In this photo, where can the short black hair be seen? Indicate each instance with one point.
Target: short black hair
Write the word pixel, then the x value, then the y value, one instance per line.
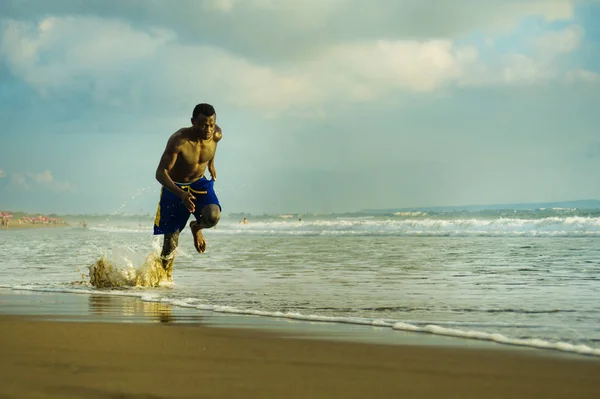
pixel 204 109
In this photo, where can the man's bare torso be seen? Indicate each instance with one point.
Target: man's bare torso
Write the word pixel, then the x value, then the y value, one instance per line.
pixel 193 156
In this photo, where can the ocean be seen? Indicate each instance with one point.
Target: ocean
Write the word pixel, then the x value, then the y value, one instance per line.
pixel 516 277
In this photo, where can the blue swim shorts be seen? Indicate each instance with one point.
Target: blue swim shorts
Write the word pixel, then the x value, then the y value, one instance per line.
pixel 172 215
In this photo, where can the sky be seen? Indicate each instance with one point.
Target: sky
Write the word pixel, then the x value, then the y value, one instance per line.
pixel 325 105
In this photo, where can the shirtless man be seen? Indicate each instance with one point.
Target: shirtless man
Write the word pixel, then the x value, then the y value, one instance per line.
pixel 185 190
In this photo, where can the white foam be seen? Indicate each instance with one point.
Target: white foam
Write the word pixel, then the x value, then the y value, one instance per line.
pixel 431 329
pixel 499 338
pixel 121 229
pixel 555 226
pixel 401 224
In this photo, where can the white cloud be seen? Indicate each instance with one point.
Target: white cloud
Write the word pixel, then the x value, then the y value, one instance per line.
pixel 512 70
pixel 355 72
pixel 542 66
pixel 65 52
pixel 45 179
pixel 2 174
pixel 388 65
pixel 582 75
pixel 194 69
pixel 117 63
pixel 266 30
pixel 219 5
pixel 559 42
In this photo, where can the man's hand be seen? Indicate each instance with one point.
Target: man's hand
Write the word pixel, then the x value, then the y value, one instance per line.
pixel 188 201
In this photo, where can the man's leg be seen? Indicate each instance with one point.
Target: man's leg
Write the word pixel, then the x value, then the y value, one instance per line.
pixel 209 217
pixel 168 252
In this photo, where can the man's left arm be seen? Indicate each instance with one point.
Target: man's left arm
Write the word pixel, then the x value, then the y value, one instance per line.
pixel 211 168
pixel 211 164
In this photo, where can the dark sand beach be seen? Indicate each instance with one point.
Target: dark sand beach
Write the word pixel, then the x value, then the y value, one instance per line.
pixel 79 356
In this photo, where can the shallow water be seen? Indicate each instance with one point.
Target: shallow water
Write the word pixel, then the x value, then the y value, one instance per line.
pixel 528 280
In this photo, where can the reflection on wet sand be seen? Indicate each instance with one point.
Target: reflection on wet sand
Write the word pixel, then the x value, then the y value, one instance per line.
pixel 134 309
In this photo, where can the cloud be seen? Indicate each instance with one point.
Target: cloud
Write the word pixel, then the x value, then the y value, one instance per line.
pixel 545 63
pixel 45 179
pixel 2 174
pixel 121 60
pixel 581 75
pixel 561 41
pixel 67 52
pixel 353 72
pixel 364 69
pixel 262 30
pixel 219 5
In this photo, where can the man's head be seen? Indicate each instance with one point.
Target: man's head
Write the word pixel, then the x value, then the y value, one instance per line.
pixel 203 119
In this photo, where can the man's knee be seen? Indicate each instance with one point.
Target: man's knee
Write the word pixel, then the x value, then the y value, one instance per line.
pixel 211 215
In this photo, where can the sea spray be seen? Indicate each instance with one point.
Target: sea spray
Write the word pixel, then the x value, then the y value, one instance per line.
pixel 124 268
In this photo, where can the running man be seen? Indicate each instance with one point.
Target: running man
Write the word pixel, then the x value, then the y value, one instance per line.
pixel 185 189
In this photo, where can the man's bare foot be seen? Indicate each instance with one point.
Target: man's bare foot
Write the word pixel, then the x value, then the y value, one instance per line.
pixel 199 241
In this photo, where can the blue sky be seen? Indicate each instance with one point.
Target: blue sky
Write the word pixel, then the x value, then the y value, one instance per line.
pixel 326 106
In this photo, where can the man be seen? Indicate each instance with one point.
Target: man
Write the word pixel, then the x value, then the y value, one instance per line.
pixel 185 189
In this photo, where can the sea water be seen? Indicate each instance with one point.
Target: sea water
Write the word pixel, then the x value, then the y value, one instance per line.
pixel 527 278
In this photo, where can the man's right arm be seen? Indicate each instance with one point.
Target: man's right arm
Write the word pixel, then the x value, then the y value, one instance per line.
pixel 167 161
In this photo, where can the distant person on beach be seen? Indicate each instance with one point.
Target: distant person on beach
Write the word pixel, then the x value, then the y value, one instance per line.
pixel 186 190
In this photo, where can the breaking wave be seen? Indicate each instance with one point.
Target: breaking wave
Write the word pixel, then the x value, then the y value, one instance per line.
pixel 575 226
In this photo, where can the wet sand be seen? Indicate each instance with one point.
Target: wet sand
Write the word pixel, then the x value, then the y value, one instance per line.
pixel 80 357
pixel 17 226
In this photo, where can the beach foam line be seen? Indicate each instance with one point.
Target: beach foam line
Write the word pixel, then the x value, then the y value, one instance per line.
pixel 554 226
pixel 395 325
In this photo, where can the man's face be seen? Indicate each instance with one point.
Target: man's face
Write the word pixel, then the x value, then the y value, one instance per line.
pixel 205 125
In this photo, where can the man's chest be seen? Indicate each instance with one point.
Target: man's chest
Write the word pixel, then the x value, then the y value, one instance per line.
pixel 198 153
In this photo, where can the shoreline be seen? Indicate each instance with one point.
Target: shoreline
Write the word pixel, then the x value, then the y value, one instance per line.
pixel 26 226
pixel 100 346
pixel 101 306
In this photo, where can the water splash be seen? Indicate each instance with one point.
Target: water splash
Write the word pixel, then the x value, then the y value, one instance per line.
pixel 135 195
pixel 125 268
